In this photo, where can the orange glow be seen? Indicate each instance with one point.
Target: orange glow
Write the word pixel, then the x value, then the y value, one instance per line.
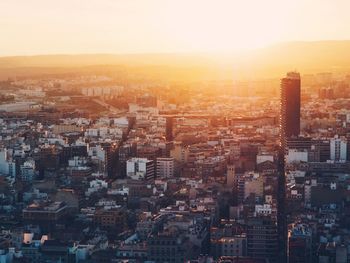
pixel 133 26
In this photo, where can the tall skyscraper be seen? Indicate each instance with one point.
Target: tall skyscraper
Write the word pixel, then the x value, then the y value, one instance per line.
pixel 290 106
pixel 289 127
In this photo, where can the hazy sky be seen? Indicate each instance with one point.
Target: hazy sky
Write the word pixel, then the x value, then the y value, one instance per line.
pixel 136 26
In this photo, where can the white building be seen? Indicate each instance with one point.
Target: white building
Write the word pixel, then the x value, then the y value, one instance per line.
pixel 99 156
pixel 264 209
pixel 140 169
pixel 102 91
pixel 95 186
pixel 295 156
pixel 28 171
pixel 7 166
pixel 338 149
pixel 165 167
pixel 97 152
pixel 18 106
pixel 91 132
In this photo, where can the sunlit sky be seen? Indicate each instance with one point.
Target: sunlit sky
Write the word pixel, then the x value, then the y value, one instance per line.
pixel 142 26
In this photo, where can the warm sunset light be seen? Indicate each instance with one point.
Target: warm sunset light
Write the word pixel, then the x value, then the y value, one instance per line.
pixel 132 26
pixel 174 131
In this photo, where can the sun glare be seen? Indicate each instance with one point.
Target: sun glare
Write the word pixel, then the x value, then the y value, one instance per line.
pixel 227 26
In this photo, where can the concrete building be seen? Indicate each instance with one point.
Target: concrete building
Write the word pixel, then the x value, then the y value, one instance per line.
pixel 66 128
pixel 7 167
pixel 140 169
pixel 262 238
pixel 230 176
pixel 250 184
pixel 226 241
pixel 27 171
pixel 295 155
pixel 263 157
pixel 169 246
pixel 165 167
pixel 49 212
pixel 300 244
pixel 338 149
pixel 180 153
pixel 114 218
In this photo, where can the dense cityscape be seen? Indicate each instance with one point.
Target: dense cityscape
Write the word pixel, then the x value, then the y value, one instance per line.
pixel 93 170
pixel 174 131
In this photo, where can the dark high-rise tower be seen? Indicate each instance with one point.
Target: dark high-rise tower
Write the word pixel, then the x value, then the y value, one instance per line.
pixel 290 106
pixel 290 127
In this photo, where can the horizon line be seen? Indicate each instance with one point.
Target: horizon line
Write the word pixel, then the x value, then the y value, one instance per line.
pixel 183 52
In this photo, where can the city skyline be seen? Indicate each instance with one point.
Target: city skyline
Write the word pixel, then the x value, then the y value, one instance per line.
pixel 189 131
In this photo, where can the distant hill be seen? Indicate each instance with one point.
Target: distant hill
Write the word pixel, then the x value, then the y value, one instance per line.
pixel 269 62
pixel 97 59
pixel 307 57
